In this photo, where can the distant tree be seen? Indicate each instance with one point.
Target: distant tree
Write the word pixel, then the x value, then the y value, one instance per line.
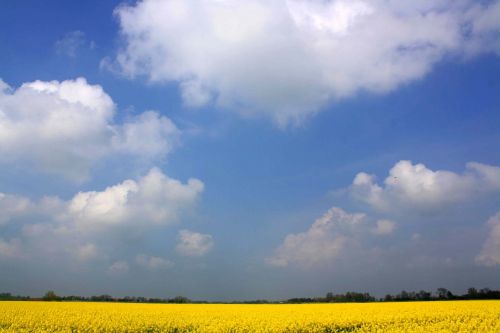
pixel 484 292
pixel 102 298
pixel 50 296
pixel 423 295
pixel 6 296
pixel 179 299
pixel 472 293
pixel 300 300
pixel 444 293
pixel 403 296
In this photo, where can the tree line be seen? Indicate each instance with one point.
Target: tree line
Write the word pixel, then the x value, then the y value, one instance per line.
pixel 52 296
pixel 351 296
pixel 403 296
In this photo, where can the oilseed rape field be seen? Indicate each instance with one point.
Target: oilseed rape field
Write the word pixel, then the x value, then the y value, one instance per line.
pixel 450 316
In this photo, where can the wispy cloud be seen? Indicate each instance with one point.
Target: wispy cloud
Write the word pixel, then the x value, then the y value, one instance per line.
pixel 71 43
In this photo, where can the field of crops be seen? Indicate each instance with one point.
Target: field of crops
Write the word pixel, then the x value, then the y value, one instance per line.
pixel 453 316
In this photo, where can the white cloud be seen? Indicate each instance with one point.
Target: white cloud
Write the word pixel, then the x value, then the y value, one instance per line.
pixel 323 242
pixel 194 95
pixel 146 135
pixel 418 188
pixel 84 226
pixel 490 253
pixel 153 199
pixel 153 263
pixel 4 87
pixel 66 127
pixel 12 206
pixel 384 227
pixel 118 268
pixel 285 59
pixel 71 43
pixel 193 244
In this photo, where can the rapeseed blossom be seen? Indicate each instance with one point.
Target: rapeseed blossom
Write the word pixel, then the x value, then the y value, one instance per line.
pixel 451 316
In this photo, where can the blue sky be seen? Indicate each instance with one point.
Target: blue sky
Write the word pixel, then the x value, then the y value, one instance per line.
pixel 244 150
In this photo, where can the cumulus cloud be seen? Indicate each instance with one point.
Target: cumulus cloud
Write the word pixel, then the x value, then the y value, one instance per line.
pixel 417 188
pixel 323 242
pixel 153 263
pixel 153 199
pixel 490 253
pixel 66 127
pixel 85 225
pixel 285 59
pixel 194 244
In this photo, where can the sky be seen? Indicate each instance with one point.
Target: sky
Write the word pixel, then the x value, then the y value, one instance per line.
pixel 240 150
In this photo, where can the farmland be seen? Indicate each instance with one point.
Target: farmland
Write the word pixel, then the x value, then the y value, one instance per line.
pixel 448 316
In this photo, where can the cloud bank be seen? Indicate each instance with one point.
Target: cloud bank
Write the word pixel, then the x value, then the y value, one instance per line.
pixel 90 223
pixel 286 59
pixel 408 193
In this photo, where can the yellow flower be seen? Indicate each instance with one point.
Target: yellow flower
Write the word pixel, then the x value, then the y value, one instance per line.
pixel 452 316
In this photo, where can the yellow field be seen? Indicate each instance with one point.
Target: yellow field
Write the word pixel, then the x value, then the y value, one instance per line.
pixel 457 316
